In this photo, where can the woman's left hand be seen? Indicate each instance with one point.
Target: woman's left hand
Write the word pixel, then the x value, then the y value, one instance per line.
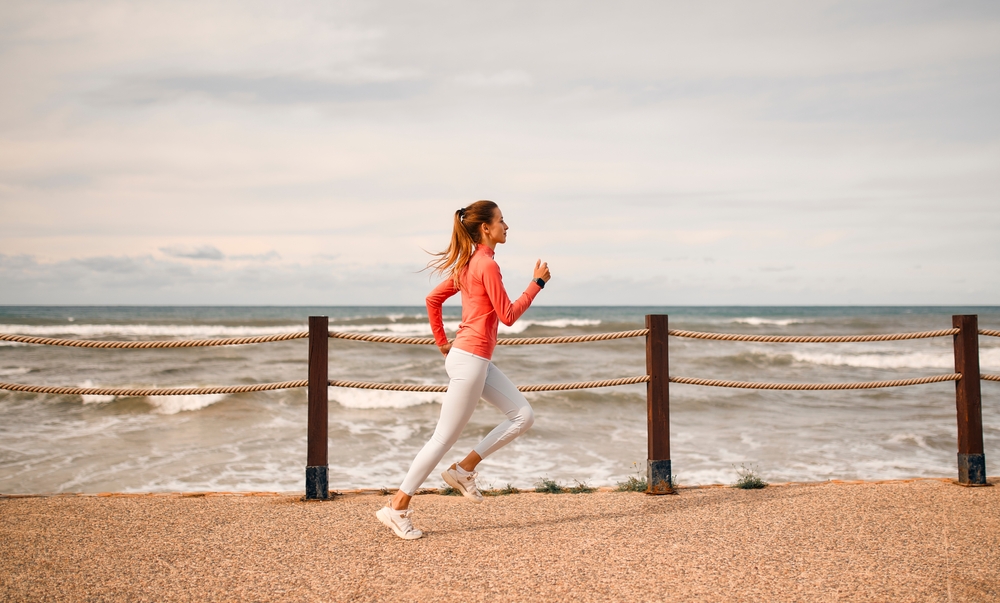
pixel 445 348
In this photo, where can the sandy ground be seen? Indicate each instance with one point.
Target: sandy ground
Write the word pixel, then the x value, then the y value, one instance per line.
pixel 922 540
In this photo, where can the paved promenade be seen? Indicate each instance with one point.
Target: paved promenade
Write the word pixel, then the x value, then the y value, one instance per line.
pixel 922 540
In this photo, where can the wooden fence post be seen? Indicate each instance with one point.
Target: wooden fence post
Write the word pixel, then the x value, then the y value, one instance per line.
pixel 317 469
pixel 971 460
pixel 658 474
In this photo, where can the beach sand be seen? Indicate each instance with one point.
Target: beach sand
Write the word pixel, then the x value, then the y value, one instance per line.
pixel 918 540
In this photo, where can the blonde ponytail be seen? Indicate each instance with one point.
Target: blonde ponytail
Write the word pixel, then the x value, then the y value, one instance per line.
pixel 465 234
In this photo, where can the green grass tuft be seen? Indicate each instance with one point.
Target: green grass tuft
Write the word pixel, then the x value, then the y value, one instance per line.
pixel 506 490
pixel 548 486
pixel 384 491
pixel 749 480
pixel 634 483
pixel 581 488
pixel 449 491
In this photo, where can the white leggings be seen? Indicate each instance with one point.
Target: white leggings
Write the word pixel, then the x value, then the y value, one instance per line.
pixel 472 378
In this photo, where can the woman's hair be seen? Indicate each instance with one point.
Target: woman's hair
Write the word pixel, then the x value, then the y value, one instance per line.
pixel 465 235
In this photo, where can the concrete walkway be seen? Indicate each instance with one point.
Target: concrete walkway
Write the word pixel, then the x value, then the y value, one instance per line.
pixel 921 540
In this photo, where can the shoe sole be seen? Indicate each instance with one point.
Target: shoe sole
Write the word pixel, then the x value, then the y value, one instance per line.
pixel 387 521
pixel 454 483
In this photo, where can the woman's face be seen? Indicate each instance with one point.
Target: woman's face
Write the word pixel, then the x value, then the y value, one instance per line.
pixel 496 230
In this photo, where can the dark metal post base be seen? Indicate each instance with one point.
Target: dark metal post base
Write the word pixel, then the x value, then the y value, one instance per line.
pixel 971 468
pixel 658 478
pixel 317 483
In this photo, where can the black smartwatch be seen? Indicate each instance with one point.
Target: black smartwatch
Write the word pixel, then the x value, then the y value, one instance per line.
pixel 540 282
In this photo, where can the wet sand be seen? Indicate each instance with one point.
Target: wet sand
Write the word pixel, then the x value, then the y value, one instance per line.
pixel 919 540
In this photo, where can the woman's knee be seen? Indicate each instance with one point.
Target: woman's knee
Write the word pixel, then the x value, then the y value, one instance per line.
pixel 525 418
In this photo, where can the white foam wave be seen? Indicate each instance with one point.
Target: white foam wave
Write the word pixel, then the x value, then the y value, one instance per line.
pixel 416 329
pixel 171 405
pixel 12 371
pixel 87 399
pixel 557 323
pixel 367 398
pixel 162 405
pixel 940 360
pixel 756 322
pixel 423 329
pixel 142 330
pixel 87 331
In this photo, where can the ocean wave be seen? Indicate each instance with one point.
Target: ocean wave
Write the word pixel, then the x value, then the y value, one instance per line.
pixel 555 323
pixel 162 405
pixel 138 331
pixel 756 322
pixel 12 371
pixel 171 405
pixel 367 398
pixel 941 360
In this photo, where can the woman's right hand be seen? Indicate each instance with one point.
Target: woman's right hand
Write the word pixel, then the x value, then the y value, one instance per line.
pixel 445 348
pixel 542 271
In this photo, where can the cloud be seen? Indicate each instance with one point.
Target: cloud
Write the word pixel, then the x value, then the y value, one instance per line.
pixel 853 140
pixel 271 89
pixel 270 256
pixel 145 279
pixel 205 252
pixel 502 79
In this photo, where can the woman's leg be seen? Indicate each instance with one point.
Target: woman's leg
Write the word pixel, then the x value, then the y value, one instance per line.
pixel 468 374
pixel 500 392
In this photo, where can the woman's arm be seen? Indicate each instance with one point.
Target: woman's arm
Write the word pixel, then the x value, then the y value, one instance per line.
pixel 506 311
pixel 435 300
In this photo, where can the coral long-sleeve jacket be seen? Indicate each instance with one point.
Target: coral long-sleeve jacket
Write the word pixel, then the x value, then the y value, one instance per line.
pixel 484 305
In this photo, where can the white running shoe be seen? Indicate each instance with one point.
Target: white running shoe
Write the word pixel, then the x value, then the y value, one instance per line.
pixel 399 522
pixel 466 484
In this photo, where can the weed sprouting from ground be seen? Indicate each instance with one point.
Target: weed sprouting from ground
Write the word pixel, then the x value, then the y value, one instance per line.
pixel 449 491
pixel 581 488
pixel 508 489
pixel 548 486
pixel 634 483
pixel 749 480
pixel 384 491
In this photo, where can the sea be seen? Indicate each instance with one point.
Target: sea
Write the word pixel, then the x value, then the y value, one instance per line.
pixel 257 441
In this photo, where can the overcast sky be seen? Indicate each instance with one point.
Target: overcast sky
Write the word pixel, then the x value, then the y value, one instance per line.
pixel 653 152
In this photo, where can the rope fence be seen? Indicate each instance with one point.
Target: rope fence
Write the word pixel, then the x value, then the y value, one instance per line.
pixel 194 343
pixel 416 387
pixel 411 387
pixel 971 461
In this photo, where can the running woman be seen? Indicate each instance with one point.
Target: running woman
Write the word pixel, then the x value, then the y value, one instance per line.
pixel 468 263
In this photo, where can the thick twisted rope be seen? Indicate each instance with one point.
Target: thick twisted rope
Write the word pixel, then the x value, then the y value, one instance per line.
pixel 989 332
pixel 810 338
pixel 672 332
pixel 545 387
pixel 192 343
pixel 816 386
pixel 501 341
pixel 84 343
pixel 987 377
pixel 153 391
